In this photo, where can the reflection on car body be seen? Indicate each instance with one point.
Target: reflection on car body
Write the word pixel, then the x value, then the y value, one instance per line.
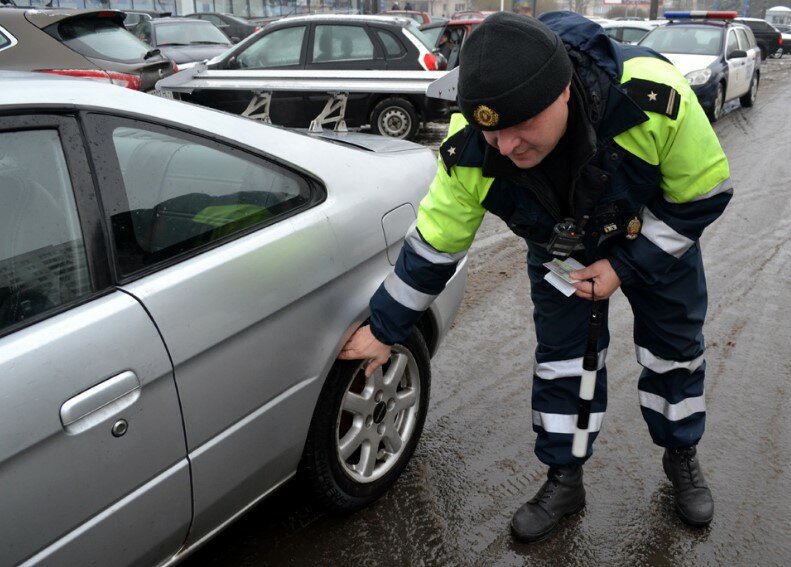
pixel 175 285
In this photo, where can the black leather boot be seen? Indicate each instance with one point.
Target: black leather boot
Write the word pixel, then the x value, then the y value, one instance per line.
pixel 561 495
pixel 694 503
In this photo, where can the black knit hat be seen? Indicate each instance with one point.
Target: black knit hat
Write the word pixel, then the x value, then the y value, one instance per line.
pixel 511 68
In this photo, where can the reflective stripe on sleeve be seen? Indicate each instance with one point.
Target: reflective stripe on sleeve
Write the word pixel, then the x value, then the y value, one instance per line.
pixel 672 412
pixel 565 423
pixel 428 252
pixel 407 295
pixel 660 234
pixel 724 187
pixel 564 368
pixel 661 366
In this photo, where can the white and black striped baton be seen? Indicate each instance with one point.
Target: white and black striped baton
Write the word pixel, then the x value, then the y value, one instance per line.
pixel 590 363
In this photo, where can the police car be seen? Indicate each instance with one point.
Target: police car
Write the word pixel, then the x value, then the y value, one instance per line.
pixel 719 57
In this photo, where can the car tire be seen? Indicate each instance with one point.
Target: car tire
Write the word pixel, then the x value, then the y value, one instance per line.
pixel 749 98
pixel 763 52
pixel 715 111
pixel 364 431
pixel 778 54
pixel 395 117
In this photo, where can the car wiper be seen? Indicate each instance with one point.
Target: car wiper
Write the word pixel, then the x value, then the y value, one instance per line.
pixel 151 53
pixel 208 43
pixel 169 44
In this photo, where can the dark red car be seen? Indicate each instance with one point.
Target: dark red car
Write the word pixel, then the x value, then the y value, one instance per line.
pixel 455 32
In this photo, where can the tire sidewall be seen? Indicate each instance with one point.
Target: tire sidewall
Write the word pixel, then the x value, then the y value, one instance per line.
pixel 320 465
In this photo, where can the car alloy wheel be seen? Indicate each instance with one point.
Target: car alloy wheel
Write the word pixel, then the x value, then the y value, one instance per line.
pixel 364 430
pixel 395 117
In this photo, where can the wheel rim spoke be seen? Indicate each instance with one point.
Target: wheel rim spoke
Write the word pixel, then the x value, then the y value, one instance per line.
pixel 396 370
pixel 393 441
pixel 405 399
pixel 356 404
pixel 351 441
pixel 367 459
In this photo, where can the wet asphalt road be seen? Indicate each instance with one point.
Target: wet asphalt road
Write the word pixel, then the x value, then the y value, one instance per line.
pixel 474 465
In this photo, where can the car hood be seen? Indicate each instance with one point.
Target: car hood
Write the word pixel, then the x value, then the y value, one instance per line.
pixel 188 53
pixel 687 63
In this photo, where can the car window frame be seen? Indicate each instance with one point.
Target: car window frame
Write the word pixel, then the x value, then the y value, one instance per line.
pixel 12 41
pixel 86 200
pixel 98 126
pixel 372 37
pixel 235 52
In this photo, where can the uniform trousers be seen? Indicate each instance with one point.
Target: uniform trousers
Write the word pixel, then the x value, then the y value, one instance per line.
pixel 668 337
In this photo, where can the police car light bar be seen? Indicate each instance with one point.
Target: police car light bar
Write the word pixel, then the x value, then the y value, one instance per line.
pixel 705 14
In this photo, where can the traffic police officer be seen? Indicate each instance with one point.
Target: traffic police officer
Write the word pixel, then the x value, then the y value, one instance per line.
pixel 591 149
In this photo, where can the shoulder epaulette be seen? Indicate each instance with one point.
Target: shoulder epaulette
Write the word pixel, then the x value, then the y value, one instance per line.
pixel 451 149
pixel 654 97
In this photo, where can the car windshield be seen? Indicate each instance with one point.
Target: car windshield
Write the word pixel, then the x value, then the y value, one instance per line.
pixel 414 29
pixel 104 38
pixel 189 33
pixel 685 39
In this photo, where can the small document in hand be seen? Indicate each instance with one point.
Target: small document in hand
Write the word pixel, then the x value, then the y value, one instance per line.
pixel 558 274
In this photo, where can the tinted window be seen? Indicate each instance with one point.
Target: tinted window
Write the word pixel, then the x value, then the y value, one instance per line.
pixel 42 257
pixel 733 43
pixel 393 47
pixel 189 33
pixel 685 39
pixel 182 194
pixel 5 41
pixel 744 40
pixel 414 29
pixel 633 35
pixel 275 49
pixel 341 43
pixel 432 34
pixel 102 38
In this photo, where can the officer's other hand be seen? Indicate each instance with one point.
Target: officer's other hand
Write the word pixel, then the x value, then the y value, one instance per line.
pixel 605 280
pixel 362 345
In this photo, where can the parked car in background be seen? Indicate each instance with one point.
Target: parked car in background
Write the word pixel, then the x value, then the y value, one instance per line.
pixel 719 57
pixel 455 32
pixel 769 39
pixel 627 31
pixel 184 41
pixel 175 286
pixel 91 44
pixel 785 33
pixel 234 27
pixel 133 17
pixel 334 42
pixel 420 17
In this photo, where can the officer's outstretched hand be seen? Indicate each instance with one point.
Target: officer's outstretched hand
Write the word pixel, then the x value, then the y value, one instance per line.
pixel 362 345
pixel 605 280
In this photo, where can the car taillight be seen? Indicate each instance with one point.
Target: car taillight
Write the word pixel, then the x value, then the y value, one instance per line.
pixel 257 28
pixel 174 66
pixel 120 79
pixel 430 62
pixel 781 40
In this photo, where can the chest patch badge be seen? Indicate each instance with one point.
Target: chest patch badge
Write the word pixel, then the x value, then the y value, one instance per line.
pixel 633 228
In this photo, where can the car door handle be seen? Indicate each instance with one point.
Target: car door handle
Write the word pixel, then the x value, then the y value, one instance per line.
pixel 96 404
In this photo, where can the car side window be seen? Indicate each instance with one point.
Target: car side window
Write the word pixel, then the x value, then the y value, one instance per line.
pixel 633 35
pixel 42 254
pixel 181 193
pixel 744 41
pixel 393 48
pixel 276 49
pixel 733 43
pixel 5 41
pixel 341 43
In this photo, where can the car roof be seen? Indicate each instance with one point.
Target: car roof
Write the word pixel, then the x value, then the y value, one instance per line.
pixel 643 25
pixel 158 21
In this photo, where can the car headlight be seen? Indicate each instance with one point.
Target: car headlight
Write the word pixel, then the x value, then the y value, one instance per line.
pixel 699 77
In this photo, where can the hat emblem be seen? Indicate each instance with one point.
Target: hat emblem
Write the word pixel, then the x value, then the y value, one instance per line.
pixel 486 116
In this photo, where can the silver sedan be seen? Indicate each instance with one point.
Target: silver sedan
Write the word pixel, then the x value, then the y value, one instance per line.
pixel 175 285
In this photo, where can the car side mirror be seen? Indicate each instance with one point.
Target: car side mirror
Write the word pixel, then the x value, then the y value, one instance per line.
pixel 235 39
pixel 232 63
pixel 737 53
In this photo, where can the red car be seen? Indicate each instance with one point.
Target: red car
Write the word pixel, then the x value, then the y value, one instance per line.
pixel 455 31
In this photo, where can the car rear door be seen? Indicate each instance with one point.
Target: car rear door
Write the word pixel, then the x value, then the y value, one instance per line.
pixel 93 462
pixel 747 44
pixel 233 260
